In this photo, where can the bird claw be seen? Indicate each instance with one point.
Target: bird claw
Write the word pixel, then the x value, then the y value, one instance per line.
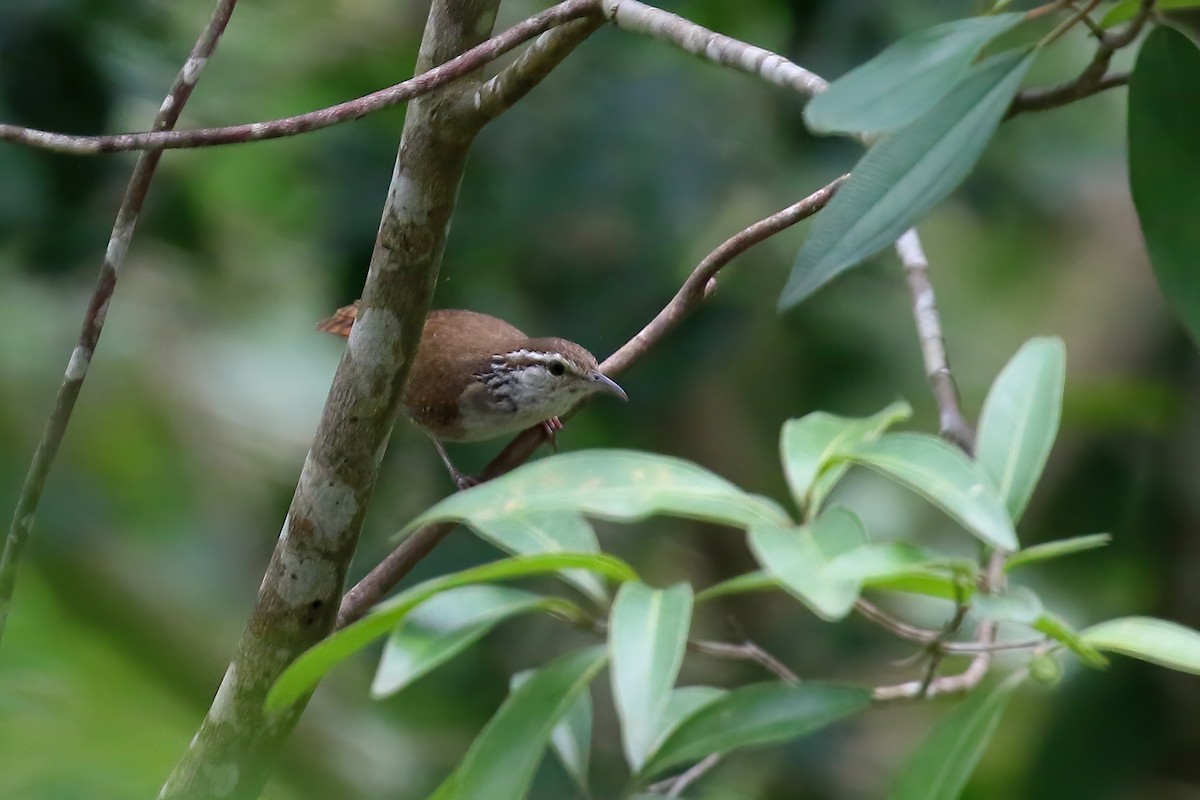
pixel 552 426
pixel 464 482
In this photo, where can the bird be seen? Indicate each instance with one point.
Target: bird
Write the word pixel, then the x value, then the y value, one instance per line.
pixel 477 377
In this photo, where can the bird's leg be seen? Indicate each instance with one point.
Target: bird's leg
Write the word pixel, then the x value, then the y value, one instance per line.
pixel 462 481
pixel 552 426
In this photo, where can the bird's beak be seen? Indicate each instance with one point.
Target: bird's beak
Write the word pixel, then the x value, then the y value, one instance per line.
pixel 608 385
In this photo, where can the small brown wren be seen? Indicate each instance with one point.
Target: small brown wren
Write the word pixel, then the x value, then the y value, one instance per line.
pixel 476 377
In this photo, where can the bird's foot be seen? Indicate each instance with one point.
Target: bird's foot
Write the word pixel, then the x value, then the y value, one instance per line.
pixel 463 481
pixel 552 426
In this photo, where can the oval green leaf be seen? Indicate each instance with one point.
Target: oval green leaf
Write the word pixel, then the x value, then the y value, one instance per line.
pixel 905 80
pixel 905 174
pixel 755 715
pixel 503 758
pixel 534 533
pixel 1020 420
pixel 808 445
pixel 571 739
pixel 307 670
pixel 946 477
pixel 449 623
pixel 647 635
pixel 617 485
pixel 1155 640
pixel 798 557
pixel 944 761
pixel 1164 117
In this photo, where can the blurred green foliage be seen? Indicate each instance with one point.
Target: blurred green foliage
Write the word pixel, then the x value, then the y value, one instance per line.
pixel 581 212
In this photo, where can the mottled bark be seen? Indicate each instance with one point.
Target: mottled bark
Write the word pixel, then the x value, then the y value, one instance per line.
pixel 232 753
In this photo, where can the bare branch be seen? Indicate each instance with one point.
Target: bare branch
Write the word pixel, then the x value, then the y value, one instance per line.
pixel 385 575
pixel 638 17
pixel 93 322
pixel 434 77
pixel 677 785
pixel 532 66
pixel 298 600
pixel 952 423
pixel 746 651
pixel 1095 77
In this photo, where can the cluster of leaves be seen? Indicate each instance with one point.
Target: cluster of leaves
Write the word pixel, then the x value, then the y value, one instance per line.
pixel 930 105
pixel 540 513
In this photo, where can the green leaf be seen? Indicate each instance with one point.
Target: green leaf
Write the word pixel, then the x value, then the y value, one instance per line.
pixel 944 476
pixel 683 703
pixel 647 635
pixel 1127 10
pixel 905 80
pixel 1155 640
pixel 1020 420
pixel 449 623
pixel 1164 116
pixel 754 715
pixel 502 760
pixel 798 558
pixel 1015 604
pixel 954 588
pixel 882 561
pixel 303 674
pixel 535 533
pixel 571 738
pixel 1058 629
pixel 1056 549
pixel 944 761
pixel 808 445
pixel 617 485
pixel 739 584
pixel 905 174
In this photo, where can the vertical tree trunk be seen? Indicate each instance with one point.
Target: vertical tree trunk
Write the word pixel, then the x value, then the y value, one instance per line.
pixel 231 754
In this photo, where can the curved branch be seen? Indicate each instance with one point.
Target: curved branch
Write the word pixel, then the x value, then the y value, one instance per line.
pixel 93 322
pixel 422 84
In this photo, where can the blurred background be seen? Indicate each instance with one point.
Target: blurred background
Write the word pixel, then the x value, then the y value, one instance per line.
pixel 581 212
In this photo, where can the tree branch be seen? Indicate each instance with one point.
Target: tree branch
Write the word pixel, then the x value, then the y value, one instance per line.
pixel 93 322
pixel 951 422
pixel 532 66
pixel 699 284
pixel 1093 79
pixel 231 754
pixel 638 17
pixel 433 77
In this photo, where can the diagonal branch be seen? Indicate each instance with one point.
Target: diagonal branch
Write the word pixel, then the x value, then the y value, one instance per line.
pixel 93 321
pixel 433 77
pixel 532 66
pixel 385 575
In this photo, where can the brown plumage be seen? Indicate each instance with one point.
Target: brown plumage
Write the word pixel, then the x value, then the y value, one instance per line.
pixel 477 377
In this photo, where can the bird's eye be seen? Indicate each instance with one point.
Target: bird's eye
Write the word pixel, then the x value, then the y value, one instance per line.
pixel 557 368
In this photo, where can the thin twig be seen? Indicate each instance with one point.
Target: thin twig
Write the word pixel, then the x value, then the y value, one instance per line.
pixel 93 321
pixel 745 651
pixel 951 422
pixel 422 84
pixel 1094 78
pixel 640 18
pixel 532 66
pixel 675 786
pixel 699 284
